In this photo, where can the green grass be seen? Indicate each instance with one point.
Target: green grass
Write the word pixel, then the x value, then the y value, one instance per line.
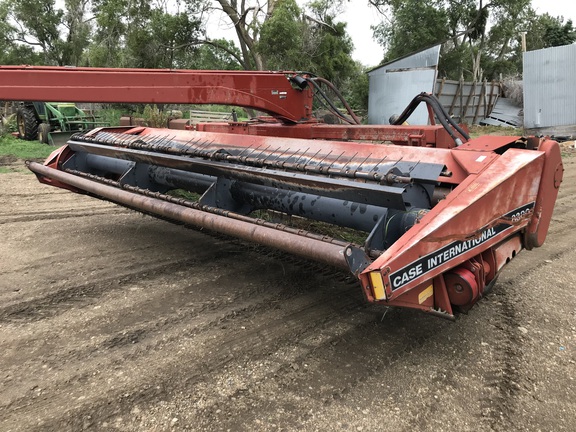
pixel 11 146
pixel 182 193
pixel 477 131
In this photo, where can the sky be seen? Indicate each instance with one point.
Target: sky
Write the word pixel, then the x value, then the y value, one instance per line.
pixel 360 17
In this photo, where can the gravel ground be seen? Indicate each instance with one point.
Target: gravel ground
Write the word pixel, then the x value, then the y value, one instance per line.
pixel 112 321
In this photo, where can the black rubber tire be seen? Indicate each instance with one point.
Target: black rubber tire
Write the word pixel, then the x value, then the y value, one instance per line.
pixel 43 133
pixel 27 124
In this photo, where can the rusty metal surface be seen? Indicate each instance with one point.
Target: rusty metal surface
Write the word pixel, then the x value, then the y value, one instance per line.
pixel 369 161
pixel 270 92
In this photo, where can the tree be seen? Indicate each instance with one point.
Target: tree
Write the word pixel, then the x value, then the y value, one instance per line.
pixel 60 35
pixel 411 25
pixel 330 45
pixel 218 54
pixel 282 38
pixel 356 92
pixel 558 34
pixel 10 52
pixel 281 35
pixel 247 20
pixel 140 33
pixel 476 35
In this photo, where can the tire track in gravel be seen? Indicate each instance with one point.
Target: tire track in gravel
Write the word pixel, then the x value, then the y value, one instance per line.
pixel 296 317
pixel 303 380
pixel 499 410
pixel 7 219
pixel 201 382
pixel 279 342
pixel 114 344
pixel 139 328
pixel 235 315
pixel 50 300
pixel 80 296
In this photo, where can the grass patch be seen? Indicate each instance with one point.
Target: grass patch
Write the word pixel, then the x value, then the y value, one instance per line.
pixel 478 131
pixel 183 193
pixel 14 169
pixel 322 228
pixel 11 146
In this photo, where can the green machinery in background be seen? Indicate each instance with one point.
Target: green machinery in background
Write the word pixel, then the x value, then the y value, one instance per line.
pixel 52 122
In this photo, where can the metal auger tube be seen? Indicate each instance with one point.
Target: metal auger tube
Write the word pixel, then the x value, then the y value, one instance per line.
pixel 305 247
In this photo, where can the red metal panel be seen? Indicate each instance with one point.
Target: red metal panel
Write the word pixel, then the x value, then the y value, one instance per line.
pixel 551 178
pixel 432 136
pixel 270 92
pixel 341 150
pixel 473 207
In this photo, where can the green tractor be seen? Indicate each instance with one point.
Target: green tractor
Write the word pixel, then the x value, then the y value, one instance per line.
pixel 52 122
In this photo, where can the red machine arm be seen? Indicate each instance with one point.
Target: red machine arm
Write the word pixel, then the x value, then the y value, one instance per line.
pixel 272 92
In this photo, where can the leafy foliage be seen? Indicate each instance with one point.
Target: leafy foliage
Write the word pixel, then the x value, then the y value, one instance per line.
pixel 479 38
pixel 356 92
pixel 144 34
pixel 42 32
pixel 293 40
pixel 415 24
pixel 218 54
pixel 282 38
pixel 556 33
pixel 154 117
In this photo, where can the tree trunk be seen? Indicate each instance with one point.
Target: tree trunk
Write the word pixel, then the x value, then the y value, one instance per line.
pixel 247 39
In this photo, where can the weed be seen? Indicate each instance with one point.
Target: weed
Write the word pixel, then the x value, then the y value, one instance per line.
pixel 154 117
pixel 183 193
pixel 477 131
pixel 11 146
pixel 110 116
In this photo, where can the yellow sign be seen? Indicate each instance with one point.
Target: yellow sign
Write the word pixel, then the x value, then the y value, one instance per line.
pixel 426 294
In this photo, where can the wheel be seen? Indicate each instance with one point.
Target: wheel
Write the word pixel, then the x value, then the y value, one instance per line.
pixel 43 133
pixel 27 124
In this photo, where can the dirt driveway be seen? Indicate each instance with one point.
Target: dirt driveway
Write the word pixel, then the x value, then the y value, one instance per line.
pixel 113 321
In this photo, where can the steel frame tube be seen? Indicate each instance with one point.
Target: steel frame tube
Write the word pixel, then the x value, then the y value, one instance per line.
pixel 305 247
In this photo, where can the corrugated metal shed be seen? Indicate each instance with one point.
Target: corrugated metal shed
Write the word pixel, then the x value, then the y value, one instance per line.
pixel 506 113
pixel 550 87
pixel 395 84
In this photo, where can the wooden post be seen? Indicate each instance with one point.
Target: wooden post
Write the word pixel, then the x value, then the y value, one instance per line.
pixel 523 36
pixel 458 92
pixel 481 101
pixel 491 101
pixel 468 100
pixel 439 92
